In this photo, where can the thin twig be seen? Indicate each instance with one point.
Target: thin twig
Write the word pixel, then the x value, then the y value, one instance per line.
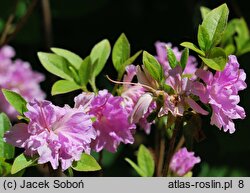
pixel 47 21
pixel 180 144
pixel 8 24
pixel 170 152
pixel 157 149
pixel 21 23
pixel 161 153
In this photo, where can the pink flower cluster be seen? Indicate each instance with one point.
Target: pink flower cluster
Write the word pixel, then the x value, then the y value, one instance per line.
pixel 111 124
pixel 17 75
pixel 56 134
pixel 60 135
pixel 183 161
pixel 221 92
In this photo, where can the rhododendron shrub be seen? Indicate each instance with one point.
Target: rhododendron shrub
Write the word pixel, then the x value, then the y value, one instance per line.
pixel 167 94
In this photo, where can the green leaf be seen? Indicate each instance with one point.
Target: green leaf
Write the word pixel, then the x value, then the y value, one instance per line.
pixel 153 66
pixel 171 58
pixel 136 168
pixel 193 47
pixel 85 71
pixel 73 58
pixel 229 32
pixel 203 38
pixel 204 11
pixel 4 168
pixel 86 164
pixel 146 161
pixel 16 100
pixel 128 62
pixel 242 31
pixel 242 39
pixel 121 52
pixel 99 56
pixel 217 59
pixel 215 23
pixel 184 58
pixel 230 49
pixel 64 86
pixel 245 48
pixel 21 9
pixel 56 65
pixel 7 151
pixel 21 162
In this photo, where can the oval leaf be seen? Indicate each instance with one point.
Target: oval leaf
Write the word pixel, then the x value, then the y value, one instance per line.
pixel 16 100
pixel 121 52
pixel 5 167
pixel 73 58
pixel 128 62
pixel 146 161
pixel 136 168
pixel 63 86
pixel 171 58
pixel 184 58
pixel 21 162
pixel 86 164
pixel 56 65
pixel 215 23
pixel 217 59
pixel 85 71
pixel 193 47
pixel 7 151
pixel 99 56
pixel 204 11
pixel 153 66
pixel 203 38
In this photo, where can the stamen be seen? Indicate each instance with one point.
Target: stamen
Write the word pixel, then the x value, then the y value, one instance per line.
pixel 136 84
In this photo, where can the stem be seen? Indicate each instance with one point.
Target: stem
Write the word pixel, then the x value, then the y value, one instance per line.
pixel 93 85
pixel 161 152
pixel 7 26
pixel 116 86
pixel 47 23
pixel 169 155
pixel 21 23
pixel 114 89
pixel 180 144
pixel 157 148
pixel 160 142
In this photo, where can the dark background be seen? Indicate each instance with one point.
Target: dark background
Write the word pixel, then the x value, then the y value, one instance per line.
pixel 79 24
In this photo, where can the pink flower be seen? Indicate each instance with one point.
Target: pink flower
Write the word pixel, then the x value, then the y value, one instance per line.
pixel 56 134
pixel 221 92
pixel 132 95
pixel 183 161
pixel 6 52
pixel 18 76
pixel 111 124
pixel 161 51
pixel 178 102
